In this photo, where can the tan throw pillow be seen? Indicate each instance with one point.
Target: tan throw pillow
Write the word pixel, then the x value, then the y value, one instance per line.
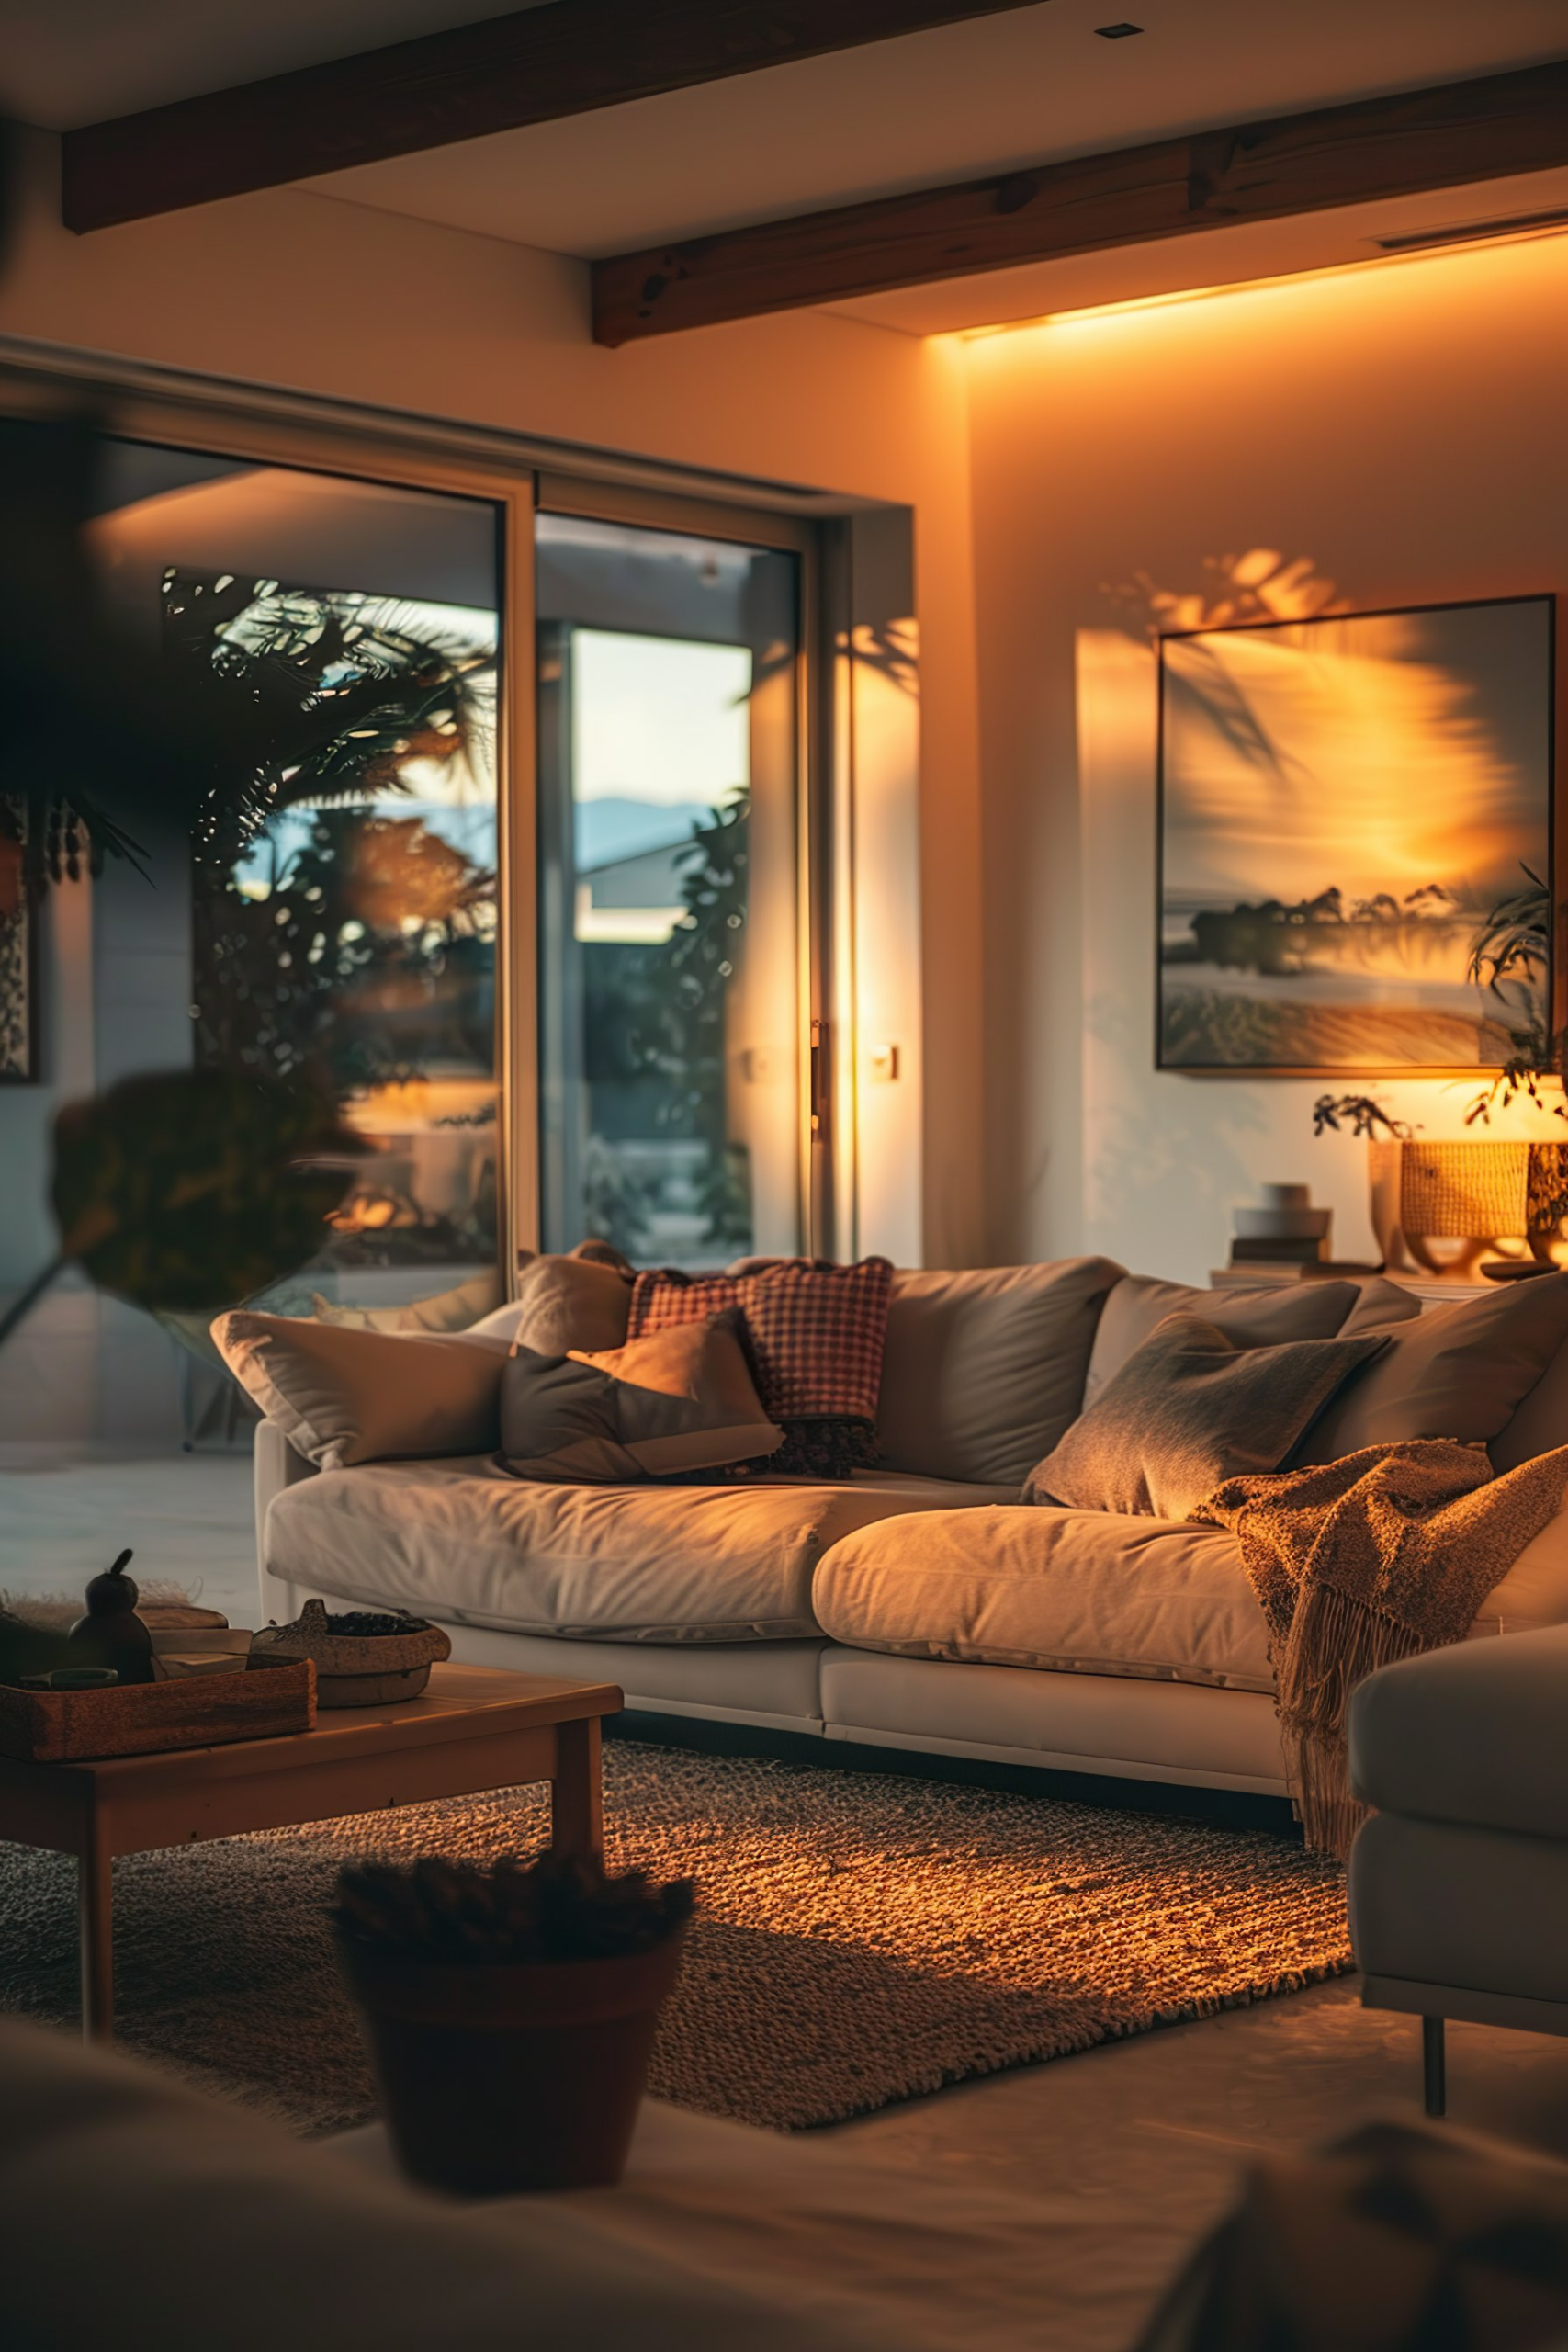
pixel 346 1396
pixel 678 1401
pixel 1459 1373
pixel 561 1304
pixel 448 1310
pixel 984 1370
pixel 1188 1410
pixel 1253 1319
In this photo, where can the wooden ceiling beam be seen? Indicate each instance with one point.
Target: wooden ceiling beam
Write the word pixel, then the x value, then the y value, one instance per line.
pixel 533 65
pixel 1487 129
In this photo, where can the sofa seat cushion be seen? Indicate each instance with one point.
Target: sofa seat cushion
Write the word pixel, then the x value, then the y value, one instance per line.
pixel 1083 1590
pixel 1089 1593
pixel 463 1541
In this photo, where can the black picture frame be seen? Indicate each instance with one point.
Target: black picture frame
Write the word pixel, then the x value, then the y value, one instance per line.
pixel 1328 1065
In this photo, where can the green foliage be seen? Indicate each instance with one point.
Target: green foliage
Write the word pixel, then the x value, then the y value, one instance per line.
pixel 1516 938
pixel 618 1201
pixel 371 953
pixel 654 1035
pixel 1362 1114
pixel 189 1189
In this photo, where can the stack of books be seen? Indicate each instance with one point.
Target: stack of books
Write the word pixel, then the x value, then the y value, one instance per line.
pixel 1285 1240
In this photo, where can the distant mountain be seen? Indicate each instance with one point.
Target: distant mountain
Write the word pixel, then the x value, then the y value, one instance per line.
pixel 608 830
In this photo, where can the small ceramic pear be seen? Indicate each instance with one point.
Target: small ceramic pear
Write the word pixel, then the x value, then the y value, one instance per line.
pixel 111 1633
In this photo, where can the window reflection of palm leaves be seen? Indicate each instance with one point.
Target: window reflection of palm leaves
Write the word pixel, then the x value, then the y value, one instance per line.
pixel 315 697
pixel 375 924
pixel 371 953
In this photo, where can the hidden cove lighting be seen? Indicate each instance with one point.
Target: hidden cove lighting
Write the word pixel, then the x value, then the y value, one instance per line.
pixel 1423 244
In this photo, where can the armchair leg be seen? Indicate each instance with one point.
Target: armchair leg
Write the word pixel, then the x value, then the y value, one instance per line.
pixel 1433 2077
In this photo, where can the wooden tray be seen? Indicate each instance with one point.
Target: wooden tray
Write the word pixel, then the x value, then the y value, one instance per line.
pixel 260 1701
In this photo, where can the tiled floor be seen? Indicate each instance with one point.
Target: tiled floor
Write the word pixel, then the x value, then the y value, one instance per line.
pixel 186 1516
pixel 1125 2153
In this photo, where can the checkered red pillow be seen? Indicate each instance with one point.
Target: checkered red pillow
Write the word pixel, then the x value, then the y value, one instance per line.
pixel 816 1334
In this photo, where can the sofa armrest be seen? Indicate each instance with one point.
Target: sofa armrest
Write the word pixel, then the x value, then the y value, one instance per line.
pixel 1471 1734
pixel 277 1466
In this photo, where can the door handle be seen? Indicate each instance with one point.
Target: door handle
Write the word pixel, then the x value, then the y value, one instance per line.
pixel 820 1078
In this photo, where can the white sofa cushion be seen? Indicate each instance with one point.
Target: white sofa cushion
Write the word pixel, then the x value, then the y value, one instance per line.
pixel 985 1370
pixel 465 1542
pixel 1090 1592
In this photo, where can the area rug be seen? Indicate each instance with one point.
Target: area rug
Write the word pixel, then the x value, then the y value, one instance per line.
pixel 860 1940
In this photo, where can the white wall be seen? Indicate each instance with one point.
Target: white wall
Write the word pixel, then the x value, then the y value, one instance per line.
pixel 304 291
pixel 1403 428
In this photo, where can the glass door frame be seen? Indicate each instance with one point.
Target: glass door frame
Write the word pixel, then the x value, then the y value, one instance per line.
pixel 695 517
pixel 255 425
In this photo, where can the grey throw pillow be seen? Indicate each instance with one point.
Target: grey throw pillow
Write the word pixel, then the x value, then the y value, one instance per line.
pixel 1188 1410
pixel 667 1406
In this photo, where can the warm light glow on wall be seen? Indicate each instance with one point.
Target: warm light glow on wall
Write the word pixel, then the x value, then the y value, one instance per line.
pixel 1137 304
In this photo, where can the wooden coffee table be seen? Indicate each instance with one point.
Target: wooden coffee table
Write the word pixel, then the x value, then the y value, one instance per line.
pixel 474 1728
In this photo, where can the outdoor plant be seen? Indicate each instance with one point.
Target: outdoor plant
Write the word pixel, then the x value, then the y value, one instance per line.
pixel 558 1907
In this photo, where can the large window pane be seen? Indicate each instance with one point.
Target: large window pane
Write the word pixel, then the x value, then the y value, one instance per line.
pixel 339 639
pixel 669 913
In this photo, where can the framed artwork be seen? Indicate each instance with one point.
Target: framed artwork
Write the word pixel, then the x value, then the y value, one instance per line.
pixel 1355 842
pixel 18 974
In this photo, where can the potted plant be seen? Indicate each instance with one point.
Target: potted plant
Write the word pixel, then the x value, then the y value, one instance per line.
pixel 509 2012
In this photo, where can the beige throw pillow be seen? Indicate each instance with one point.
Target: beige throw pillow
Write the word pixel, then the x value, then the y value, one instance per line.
pixel 561 1304
pixel 345 1396
pixel 1188 1410
pixel 1459 1373
pixel 677 1401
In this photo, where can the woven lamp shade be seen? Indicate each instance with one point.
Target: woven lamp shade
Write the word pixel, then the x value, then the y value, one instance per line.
pixel 1470 1190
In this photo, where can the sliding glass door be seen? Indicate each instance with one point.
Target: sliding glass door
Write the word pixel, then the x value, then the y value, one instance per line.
pixel 673 987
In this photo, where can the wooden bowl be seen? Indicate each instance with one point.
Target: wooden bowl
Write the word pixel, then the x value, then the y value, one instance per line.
pixel 359 1669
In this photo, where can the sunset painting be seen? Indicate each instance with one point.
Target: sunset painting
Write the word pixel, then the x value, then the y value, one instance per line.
pixel 1355 842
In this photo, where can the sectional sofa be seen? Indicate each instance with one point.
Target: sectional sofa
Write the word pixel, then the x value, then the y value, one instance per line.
pixel 917 1606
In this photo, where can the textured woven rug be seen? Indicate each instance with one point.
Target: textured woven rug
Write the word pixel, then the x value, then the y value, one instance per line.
pixel 860 1940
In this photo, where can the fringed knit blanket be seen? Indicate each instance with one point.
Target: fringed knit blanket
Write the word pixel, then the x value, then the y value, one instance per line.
pixel 1389 1552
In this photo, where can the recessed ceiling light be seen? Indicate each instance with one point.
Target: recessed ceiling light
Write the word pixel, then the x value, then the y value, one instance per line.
pixel 1117 32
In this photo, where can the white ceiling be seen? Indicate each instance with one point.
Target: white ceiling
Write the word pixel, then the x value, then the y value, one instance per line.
pixel 960 102
pixel 949 104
